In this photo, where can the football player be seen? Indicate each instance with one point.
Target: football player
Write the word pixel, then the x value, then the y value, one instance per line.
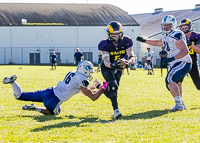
pixel 115 47
pixel 174 41
pixel 149 57
pixel 53 58
pixel 53 97
pixel 193 42
pixel 163 55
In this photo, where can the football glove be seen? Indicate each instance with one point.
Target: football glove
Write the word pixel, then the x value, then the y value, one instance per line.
pixel 141 39
pixel 167 60
pixel 115 65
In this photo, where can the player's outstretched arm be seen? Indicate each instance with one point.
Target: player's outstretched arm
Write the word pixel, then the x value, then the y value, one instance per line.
pixel 93 95
pixel 153 42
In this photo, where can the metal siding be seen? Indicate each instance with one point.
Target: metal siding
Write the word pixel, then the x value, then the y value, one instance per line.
pixel 68 14
pixel 151 22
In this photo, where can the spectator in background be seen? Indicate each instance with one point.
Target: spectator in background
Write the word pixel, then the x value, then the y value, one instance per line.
pixel 163 55
pixel 99 61
pixel 53 58
pixel 78 56
pixel 149 58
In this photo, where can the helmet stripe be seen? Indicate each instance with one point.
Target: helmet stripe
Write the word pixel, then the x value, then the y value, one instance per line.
pixel 120 28
pixel 111 30
pixel 187 22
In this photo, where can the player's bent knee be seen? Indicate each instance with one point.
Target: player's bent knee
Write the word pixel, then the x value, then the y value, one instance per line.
pixel 112 89
pixel 112 86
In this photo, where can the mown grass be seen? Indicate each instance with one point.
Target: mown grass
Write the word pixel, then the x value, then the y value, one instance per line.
pixel 143 100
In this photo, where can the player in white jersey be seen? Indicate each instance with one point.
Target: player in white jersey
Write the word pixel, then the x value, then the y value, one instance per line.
pixel 53 97
pixel 174 42
pixel 149 58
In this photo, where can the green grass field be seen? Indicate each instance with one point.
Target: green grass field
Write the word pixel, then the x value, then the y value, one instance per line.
pixel 143 100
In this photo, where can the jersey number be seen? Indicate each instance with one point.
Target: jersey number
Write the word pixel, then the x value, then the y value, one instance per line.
pixel 68 77
pixel 117 57
pixel 191 51
pixel 166 45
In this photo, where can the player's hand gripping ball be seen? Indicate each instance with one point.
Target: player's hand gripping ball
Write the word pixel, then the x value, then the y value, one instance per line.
pixel 123 62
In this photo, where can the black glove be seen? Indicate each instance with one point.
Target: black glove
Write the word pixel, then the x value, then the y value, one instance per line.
pixel 141 39
pixel 189 43
pixel 167 60
pixel 116 65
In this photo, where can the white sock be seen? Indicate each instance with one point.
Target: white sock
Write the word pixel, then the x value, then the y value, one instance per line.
pixel 16 89
pixel 178 99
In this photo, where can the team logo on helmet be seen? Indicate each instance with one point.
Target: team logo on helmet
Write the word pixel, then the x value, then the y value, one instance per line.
pixel 168 20
pixel 86 68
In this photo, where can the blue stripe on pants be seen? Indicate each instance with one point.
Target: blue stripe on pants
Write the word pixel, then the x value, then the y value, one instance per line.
pixel 177 72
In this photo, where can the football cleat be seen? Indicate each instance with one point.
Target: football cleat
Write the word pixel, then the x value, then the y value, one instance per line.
pixel 117 114
pixel 94 84
pixel 178 107
pixel 29 107
pixel 184 108
pixel 10 79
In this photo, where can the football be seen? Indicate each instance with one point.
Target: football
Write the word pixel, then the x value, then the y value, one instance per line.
pixel 122 62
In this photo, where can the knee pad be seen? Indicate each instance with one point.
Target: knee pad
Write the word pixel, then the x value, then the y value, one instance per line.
pixel 111 89
pixel 57 110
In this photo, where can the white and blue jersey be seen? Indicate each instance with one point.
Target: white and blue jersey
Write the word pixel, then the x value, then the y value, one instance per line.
pixel 179 67
pixel 70 86
pixel 53 97
pixel 169 42
pixel 149 55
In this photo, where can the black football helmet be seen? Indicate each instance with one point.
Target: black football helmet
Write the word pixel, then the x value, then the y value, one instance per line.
pixel 115 27
pixel 188 22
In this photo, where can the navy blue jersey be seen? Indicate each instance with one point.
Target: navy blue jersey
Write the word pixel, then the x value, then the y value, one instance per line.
pixel 116 52
pixel 78 55
pixel 195 39
pixel 163 53
pixel 53 58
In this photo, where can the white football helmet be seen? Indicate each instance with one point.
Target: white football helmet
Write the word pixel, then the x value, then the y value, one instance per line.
pixel 86 68
pixel 168 20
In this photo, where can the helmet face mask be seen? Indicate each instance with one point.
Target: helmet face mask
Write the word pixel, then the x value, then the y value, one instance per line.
pixel 115 31
pixel 186 25
pixel 86 68
pixel 168 24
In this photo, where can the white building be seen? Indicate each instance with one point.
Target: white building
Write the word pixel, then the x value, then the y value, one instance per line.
pixel 151 26
pixel 30 32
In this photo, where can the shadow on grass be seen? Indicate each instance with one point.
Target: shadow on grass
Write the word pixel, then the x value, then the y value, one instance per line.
pixel 146 115
pixel 91 119
pixel 195 108
pixel 43 118
pixel 79 123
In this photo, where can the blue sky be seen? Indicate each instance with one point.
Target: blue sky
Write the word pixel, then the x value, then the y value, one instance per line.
pixel 130 6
